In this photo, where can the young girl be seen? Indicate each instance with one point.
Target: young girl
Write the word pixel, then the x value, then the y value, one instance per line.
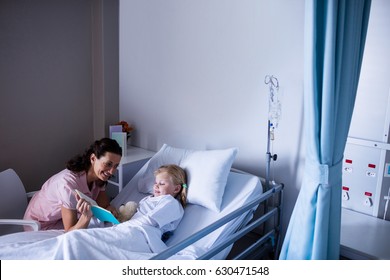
pixel 164 209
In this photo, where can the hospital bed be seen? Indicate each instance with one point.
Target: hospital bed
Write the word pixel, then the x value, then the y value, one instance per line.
pixel 210 233
pixel 224 207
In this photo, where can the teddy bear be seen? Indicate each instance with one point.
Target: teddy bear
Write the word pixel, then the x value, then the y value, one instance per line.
pixel 126 211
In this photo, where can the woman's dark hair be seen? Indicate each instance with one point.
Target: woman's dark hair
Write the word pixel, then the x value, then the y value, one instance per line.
pixel 82 162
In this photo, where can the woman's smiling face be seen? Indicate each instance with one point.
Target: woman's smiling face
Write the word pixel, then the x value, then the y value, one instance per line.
pixel 106 165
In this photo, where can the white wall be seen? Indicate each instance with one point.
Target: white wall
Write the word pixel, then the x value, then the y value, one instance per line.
pixel 369 117
pixel 192 76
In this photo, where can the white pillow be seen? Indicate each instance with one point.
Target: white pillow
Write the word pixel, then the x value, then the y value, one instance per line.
pixel 207 172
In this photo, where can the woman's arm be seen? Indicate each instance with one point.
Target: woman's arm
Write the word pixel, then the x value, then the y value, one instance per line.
pixel 69 216
pixel 103 201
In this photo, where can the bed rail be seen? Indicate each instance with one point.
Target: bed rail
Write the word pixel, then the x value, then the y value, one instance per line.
pixel 272 235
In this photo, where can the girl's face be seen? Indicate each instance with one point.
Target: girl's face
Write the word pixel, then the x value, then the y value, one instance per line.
pixel 105 166
pixel 164 185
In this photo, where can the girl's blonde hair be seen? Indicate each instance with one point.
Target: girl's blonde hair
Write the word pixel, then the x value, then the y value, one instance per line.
pixel 179 177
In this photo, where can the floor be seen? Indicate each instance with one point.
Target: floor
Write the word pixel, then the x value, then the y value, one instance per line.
pixel 264 252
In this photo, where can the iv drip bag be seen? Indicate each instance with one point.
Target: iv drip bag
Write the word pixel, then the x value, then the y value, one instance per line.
pixel 274 104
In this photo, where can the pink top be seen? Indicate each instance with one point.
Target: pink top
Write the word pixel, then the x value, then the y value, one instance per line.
pixel 57 191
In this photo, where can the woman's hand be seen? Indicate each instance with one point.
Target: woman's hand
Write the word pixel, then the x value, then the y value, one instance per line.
pixel 70 217
pixel 84 208
pixel 103 201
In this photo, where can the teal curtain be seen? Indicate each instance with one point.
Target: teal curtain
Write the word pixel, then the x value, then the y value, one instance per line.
pixel 335 32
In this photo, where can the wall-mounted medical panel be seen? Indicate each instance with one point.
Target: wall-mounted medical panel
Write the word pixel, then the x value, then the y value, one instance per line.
pixel 364 180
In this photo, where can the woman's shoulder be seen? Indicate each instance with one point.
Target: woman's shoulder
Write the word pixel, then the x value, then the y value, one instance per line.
pixel 65 180
pixel 66 176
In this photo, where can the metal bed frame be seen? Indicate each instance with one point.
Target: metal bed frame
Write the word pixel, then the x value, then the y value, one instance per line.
pixel 267 243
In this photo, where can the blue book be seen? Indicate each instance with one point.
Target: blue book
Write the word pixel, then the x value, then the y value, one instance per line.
pixel 99 212
pixel 103 214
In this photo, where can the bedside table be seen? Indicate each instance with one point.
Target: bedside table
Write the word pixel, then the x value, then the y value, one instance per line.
pixel 130 164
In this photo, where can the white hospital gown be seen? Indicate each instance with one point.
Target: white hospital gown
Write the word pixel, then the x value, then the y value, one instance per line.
pixel 163 212
pixel 137 238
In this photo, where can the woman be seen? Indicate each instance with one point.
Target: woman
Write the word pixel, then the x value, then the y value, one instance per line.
pixel 56 206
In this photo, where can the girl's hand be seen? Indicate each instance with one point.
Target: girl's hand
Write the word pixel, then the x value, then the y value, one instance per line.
pixel 84 208
pixel 113 210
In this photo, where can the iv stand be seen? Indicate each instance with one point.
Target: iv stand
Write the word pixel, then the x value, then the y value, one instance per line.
pixel 273 83
pixel 269 158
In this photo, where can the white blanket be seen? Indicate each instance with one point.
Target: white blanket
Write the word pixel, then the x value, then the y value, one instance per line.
pixel 138 238
pixel 124 241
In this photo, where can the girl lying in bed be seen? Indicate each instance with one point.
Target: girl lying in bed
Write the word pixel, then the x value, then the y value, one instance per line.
pixel 169 184
pixel 138 238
